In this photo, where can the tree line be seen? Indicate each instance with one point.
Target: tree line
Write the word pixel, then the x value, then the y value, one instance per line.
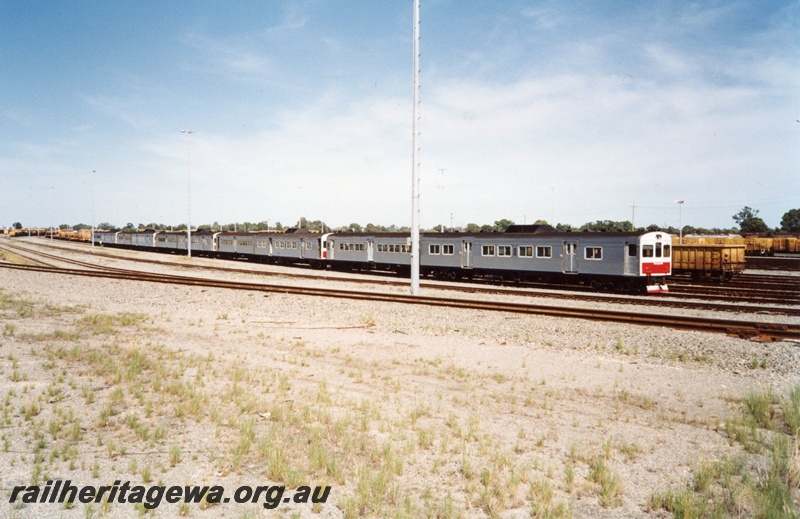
pixel 747 221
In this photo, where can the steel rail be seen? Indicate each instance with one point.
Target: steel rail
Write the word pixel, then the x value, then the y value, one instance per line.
pixel 737 328
pixel 19 252
pixel 610 299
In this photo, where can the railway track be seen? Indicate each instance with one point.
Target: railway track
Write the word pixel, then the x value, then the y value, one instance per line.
pixel 744 329
pixel 773 262
pixel 731 303
pixel 782 296
pixel 777 284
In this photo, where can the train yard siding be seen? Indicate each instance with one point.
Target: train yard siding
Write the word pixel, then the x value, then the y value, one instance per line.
pixel 450 389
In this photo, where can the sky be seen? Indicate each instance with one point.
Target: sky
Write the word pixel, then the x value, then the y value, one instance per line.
pixel 569 112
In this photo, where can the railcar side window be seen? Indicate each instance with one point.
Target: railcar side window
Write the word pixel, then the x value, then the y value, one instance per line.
pixel 504 250
pixel 594 253
pixel 647 251
pixel 544 252
pixel 525 251
pixel 308 245
pixel 487 250
pixel 658 249
pixel 667 250
pixel 632 249
pixel 448 250
pixel 405 249
pixel 434 248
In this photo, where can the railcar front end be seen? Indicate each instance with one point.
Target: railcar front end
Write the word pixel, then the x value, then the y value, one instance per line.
pixel 655 260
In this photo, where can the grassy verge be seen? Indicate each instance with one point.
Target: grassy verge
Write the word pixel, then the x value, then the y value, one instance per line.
pixel 96 397
pixel 763 482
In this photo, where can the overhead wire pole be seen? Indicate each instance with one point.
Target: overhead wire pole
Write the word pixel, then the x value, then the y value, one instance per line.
pixel 92 180
pixel 415 252
pixel 189 189
pixel 441 201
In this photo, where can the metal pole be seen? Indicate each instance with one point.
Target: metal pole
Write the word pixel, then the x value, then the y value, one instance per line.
pixel 92 180
pixel 441 200
pixel 680 220
pixel 415 252
pixel 189 190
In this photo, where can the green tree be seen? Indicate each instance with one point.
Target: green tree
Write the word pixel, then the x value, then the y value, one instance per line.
pixel 473 228
pixel 17 225
pixel 749 222
pixel 502 225
pixel 790 222
pixel 607 226
pixel 354 227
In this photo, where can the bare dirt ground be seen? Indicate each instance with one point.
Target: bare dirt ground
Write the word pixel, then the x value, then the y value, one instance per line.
pixel 403 411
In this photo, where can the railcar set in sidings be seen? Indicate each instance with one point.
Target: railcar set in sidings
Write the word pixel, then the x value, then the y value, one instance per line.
pixel 612 261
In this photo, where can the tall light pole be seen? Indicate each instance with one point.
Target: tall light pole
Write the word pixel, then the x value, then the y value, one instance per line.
pixel 680 220
pixel 189 190
pixel 415 252
pixel 92 181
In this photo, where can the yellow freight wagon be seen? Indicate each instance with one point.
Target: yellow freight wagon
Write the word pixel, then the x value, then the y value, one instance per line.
pixel 712 261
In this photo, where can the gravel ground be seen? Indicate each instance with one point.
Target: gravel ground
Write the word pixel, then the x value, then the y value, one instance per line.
pixel 461 399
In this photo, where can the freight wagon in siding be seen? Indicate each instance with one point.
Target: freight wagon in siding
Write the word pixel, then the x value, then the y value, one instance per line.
pixel 785 244
pixel 708 262
pixel 768 245
pixel 708 239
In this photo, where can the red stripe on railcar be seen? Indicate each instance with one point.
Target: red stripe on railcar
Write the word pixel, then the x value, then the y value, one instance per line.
pixel 662 267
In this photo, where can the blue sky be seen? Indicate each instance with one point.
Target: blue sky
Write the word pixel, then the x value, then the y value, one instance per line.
pixel 565 111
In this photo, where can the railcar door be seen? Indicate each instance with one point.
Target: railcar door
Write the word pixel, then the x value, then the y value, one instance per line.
pixel 631 259
pixel 370 250
pixel 570 257
pixel 466 254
